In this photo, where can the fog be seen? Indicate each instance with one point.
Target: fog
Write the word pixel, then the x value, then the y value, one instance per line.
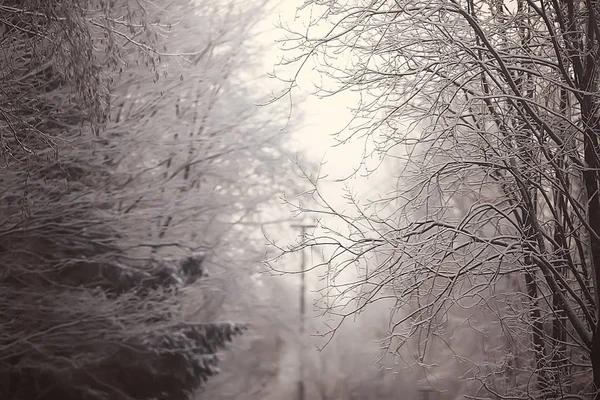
pixel 309 200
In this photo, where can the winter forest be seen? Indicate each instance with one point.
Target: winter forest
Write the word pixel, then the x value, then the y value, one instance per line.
pixel 299 199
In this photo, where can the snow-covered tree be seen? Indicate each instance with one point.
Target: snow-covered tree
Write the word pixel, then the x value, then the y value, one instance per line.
pixel 491 107
pixel 134 155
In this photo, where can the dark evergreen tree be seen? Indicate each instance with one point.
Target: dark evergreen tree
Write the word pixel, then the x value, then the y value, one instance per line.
pixel 81 316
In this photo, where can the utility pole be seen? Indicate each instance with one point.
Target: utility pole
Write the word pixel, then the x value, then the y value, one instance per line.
pixel 303 228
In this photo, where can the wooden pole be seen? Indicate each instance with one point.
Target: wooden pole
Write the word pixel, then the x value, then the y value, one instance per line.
pixel 302 310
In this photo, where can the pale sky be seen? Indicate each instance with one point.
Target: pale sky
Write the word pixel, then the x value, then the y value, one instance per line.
pixel 321 117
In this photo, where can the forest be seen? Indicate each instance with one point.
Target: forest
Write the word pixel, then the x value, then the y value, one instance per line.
pixel 299 199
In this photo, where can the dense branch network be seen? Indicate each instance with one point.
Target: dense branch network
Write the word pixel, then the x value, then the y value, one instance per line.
pixel 491 108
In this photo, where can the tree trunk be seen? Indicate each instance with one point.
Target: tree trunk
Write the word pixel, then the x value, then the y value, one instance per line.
pixel 590 178
pixel 537 330
pixel 595 358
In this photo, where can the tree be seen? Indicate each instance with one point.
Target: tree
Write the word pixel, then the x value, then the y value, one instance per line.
pixel 492 106
pixel 93 306
pixel 252 367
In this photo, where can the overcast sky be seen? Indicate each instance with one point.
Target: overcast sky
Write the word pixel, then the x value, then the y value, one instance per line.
pixel 321 117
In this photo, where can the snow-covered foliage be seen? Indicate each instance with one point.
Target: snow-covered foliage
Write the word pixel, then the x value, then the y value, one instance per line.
pixel 130 148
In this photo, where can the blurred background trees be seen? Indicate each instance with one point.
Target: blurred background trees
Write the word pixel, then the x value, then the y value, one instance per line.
pixel 136 166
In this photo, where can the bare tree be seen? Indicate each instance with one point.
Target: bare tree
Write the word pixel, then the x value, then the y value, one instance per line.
pixel 492 106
